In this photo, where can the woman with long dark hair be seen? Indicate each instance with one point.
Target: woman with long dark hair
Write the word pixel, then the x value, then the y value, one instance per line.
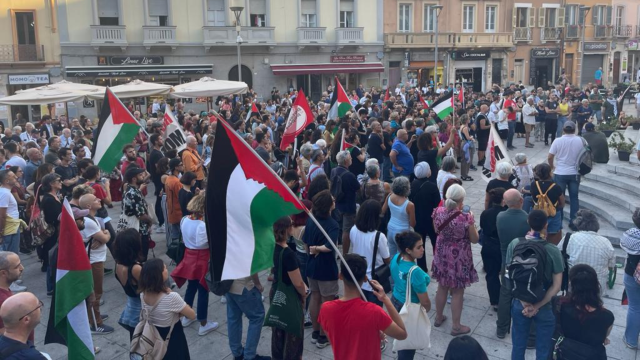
pixel 463 348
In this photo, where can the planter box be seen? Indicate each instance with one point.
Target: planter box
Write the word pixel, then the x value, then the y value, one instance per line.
pixel 636 126
pixel 607 133
pixel 623 155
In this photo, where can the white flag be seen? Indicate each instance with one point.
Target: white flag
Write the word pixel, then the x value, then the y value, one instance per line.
pixel 174 137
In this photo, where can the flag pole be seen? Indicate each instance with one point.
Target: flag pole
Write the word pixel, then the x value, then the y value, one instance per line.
pixel 333 245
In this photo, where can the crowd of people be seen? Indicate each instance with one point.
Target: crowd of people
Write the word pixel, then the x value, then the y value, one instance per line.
pixel 399 184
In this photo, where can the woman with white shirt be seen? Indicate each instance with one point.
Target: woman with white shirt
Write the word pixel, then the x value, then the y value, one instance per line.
pixel 362 238
pixel 195 264
pixel 503 122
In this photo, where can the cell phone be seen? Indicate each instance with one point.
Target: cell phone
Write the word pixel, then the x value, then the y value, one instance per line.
pixel 466 209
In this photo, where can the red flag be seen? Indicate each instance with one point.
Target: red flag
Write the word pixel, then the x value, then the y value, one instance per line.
pixel 386 95
pixel 299 117
pixel 424 103
pixel 254 109
pixel 461 95
pixel 344 145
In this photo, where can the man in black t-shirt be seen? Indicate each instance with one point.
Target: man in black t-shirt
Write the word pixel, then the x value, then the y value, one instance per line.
pixel 156 154
pixel 376 147
pixel 551 108
pixel 68 174
pixel 21 314
pixel 388 143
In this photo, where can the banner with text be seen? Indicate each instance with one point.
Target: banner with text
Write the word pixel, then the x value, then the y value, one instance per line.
pixel 174 137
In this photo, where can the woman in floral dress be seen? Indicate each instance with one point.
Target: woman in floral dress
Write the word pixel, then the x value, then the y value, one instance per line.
pixel 453 262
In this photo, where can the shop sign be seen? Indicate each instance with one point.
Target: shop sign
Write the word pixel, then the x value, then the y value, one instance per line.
pixel 347 59
pixel 632 45
pixel 130 60
pixel 598 46
pixel 407 59
pixel 545 53
pixel 28 79
pixel 470 55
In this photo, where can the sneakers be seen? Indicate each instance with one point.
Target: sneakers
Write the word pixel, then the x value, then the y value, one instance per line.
pixel 307 320
pixel 101 301
pixel 207 328
pixel 104 317
pixel 322 342
pixel 223 299
pixel 314 336
pixel 448 299
pixel 161 229
pixel 101 330
pixel 186 322
pixel 15 288
pixel 108 271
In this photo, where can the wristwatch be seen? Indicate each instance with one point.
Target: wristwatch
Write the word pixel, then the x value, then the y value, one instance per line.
pixel 308 291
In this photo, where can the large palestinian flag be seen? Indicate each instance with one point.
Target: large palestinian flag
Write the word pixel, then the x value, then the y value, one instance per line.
pixel 300 117
pixel 443 106
pixel 117 128
pixel 340 103
pixel 244 198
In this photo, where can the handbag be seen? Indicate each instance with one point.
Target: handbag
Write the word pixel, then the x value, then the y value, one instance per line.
pixel 285 312
pixel 41 230
pixel 416 322
pixel 383 273
pixel 448 221
pixel 636 273
pixel 146 343
pixel 568 349
pixel 128 222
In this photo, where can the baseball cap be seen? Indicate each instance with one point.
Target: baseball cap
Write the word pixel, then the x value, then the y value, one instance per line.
pixel 174 163
pixel 132 172
pixel 569 125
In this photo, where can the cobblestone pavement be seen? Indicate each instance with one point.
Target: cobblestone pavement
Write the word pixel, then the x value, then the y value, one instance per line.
pixel 477 313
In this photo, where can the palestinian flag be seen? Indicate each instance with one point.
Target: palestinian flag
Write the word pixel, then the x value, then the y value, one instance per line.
pixel 300 117
pixel 425 105
pixel 496 152
pixel 443 106
pixel 244 199
pixel 116 129
pixel 74 283
pixel 340 103
pixel 386 95
pixel 344 145
pixel 254 110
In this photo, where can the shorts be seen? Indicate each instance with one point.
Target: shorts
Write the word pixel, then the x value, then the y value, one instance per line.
pixel 326 288
pixel 554 223
pixel 529 127
pixel 503 134
pixel 482 143
pixel 348 220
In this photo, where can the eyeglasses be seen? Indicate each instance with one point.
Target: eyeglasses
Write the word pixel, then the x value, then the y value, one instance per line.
pixel 40 304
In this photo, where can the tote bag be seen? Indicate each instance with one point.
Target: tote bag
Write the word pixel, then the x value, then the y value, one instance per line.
pixel 416 322
pixel 285 312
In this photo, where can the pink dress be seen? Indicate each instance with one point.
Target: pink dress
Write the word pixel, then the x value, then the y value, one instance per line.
pixel 453 263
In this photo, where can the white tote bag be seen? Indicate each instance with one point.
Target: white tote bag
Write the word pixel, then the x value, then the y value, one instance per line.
pixel 416 321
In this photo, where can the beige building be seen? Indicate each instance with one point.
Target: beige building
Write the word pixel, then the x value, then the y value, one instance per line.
pixel 29 52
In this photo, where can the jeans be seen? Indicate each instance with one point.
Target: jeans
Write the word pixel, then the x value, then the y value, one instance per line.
pixel 545 323
pixel 203 298
pixel 12 243
pixel 158 210
pixel 386 169
pixel 402 354
pixel 512 131
pixel 550 128
pixel 573 183
pixel 163 204
pixel 598 115
pixel 633 313
pixel 561 121
pixel 527 203
pixel 175 231
pixel 249 304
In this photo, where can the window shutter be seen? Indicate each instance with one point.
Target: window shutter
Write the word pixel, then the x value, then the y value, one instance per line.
pixel 609 15
pixel 532 17
pixel 158 8
pixel 515 17
pixel 308 6
pixel 346 5
pixel 542 12
pixel 258 7
pixel 215 5
pixel 561 15
pixel 107 8
pixel 594 15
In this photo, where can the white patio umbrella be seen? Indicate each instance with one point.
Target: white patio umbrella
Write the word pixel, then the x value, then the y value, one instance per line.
pixel 42 95
pixel 209 87
pixel 135 88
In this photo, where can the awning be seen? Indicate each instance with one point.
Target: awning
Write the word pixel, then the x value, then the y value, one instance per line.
pixel 331 68
pixel 137 70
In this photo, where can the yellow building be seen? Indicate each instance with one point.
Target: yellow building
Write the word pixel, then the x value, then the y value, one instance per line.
pixel 29 52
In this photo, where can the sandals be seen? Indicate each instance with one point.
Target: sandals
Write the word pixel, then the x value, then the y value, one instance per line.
pixel 462 330
pixel 467 178
pixel 439 323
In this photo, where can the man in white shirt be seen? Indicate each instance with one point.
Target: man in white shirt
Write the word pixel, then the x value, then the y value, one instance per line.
pixel 13 152
pixel 566 151
pixel 529 113
pixel 503 122
pixel 9 216
pixel 26 136
pixel 65 139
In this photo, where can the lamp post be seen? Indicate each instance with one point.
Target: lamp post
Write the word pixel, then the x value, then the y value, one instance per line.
pixel 237 10
pixel 437 9
pixel 584 10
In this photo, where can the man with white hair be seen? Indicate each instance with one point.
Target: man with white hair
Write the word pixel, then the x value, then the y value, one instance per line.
pixel 192 160
pixel 504 170
pixel 400 154
pixel 344 186
pixel 66 139
pixel 529 113
pixel 425 197
pixel 26 136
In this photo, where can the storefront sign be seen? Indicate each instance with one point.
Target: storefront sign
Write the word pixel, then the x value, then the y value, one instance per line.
pixel 470 55
pixel 632 45
pixel 28 79
pixel 347 59
pixel 135 70
pixel 130 60
pixel 597 46
pixel 407 58
pixel 545 53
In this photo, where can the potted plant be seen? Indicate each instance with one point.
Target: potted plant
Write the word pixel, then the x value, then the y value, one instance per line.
pixel 608 127
pixel 634 122
pixel 624 147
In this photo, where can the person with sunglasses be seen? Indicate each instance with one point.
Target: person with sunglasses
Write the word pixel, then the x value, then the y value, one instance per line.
pixel 21 314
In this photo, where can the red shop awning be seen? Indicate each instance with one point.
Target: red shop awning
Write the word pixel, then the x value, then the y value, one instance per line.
pixel 298 69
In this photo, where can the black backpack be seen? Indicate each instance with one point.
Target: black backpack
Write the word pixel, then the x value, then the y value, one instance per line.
pixel 336 184
pixel 527 270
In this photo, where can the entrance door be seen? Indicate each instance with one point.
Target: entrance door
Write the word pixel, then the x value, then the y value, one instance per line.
pixel 518 70
pixel 568 67
pixel 247 76
pixel 589 66
pixel 544 72
pixel 616 67
pixel 477 79
pixel 496 71
pixel 302 82
pixel 394 74
pixel 25 36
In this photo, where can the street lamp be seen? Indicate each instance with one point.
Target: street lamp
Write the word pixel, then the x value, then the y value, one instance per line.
pixel 437 9
pixel 584 10
pixel 237 10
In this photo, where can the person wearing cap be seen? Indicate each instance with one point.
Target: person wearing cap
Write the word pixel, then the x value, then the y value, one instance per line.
pixel 425 197
pixel 597 142
pixel 563 158
pixel 134 205
pixel 172 188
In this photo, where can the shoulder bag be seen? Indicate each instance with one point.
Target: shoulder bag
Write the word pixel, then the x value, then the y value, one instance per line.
pixel 146 343
pixel 285 312
pixel 381 274
pixel 568 349
pixel 40 229
pixel 416 322
pixel 448 221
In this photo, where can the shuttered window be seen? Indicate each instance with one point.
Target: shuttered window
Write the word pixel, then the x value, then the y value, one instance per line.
pixel 158 7
pixel 215 13
pixel 108 12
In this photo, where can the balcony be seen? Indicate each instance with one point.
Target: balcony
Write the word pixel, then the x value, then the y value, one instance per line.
pixel 226 36
pixel 573 32
pixel 551 34
pixel 601 31
pixel 12 53
pixel 623 31
pixel 522 34
pixel 108 35
pixel 349 36
pixel 312 36
pixel 159 36
pixel 448 40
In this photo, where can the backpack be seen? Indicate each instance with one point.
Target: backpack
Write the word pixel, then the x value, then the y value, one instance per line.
pixel 41 230
pixel 146 343
pixel 544 203
pixel 585 159
pixel 564 287
pixel 336 185
pixel 526 271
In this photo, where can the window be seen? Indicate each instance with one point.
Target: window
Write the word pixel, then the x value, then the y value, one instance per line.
pixel 522 16
pixel 346 13
pixel 600 15
pixel 491 12
pixel 158 12
pixel 258 13
pixel 550 15
pixel 468 18
pixel 430 18
pixel 308 13
pixel 215 13
pixel 404 18
pixel 572 15
pixel 620 16
pixel 108 12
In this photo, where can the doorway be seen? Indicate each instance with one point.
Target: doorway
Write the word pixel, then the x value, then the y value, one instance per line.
pixel 247 75
pixel 544 72
pixel 24 36
pixel 518 70
pixel 394 74
pixel 616 67
pixel 568 67
pixel 496 71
